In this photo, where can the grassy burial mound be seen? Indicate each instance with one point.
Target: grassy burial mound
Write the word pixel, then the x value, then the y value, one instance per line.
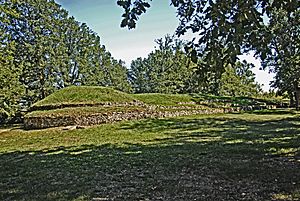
pixel 82 105
pixel 80 96
pixel 85 106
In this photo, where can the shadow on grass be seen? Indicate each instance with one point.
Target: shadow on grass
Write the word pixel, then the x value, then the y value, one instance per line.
pixel 215 158
pixel 10 126
pixel 275 112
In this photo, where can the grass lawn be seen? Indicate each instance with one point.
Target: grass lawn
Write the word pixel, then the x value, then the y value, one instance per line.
pixel 164 99
pixel 213 157
pixel 85 95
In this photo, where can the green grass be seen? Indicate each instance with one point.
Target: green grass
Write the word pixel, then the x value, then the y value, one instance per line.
pixel 95 95
pixel 239 100
pixel 213 157
pixel 84 99
pixel 164 99
pixel 85 95
pixel 74 101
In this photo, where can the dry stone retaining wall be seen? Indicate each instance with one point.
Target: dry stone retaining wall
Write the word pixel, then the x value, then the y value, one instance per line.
pixel 95 119
pixel 104 104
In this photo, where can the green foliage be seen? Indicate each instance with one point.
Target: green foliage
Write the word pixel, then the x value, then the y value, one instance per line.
pixel 11 89
pixel 239 80
pixel 42 50
pixel 130 17
pixel 168 69
pixel 283 52
pixel 228 28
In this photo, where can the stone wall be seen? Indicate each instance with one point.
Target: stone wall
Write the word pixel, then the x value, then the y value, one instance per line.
pixel 47 122
pixel 149 111
pixel 104 104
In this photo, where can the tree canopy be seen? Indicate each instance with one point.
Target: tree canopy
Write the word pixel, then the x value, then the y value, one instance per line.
pixel 239 80
pixel 168 69
pixel 283 50
pixel 228 28
pixel 42 49
pixel 232 25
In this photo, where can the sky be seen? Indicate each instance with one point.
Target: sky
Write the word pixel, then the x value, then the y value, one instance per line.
pixel 104 17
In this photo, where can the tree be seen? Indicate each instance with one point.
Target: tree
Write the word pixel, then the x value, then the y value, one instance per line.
pixel 56 50
pixel 235 23
pixel 166 70
pixel 226 28
pixel 42 49
pixel 10 89
pixel 283 50
pixel 35 32
pixel 239 80
pixel 169 69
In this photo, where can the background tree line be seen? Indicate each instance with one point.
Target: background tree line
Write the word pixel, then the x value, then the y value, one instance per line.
pixel 228 28
pixel 43 49
pixel 170 69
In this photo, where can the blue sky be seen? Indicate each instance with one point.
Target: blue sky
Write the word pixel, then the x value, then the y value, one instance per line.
pixel 104 17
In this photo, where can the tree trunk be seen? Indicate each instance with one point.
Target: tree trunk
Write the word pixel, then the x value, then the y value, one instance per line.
pixel 297 100
pixel 292 99
pixel 297 90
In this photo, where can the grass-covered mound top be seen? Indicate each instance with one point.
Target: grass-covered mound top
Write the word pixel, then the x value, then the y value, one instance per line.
pixel 204 100
pixel 92 96
pixel 165 99
pixel 84 95
pixel 236 101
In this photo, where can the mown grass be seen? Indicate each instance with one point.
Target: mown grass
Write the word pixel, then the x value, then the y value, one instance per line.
pixel 84 99
pixel 164 99
pixel 238 100
pixel 94 95
pixel 192 99
pixel 85 95
pixel 213 157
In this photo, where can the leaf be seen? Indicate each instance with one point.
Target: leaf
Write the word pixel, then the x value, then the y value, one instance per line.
pixel 147 5
pixel 124 22
pixel 194 56
pixel 121 3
